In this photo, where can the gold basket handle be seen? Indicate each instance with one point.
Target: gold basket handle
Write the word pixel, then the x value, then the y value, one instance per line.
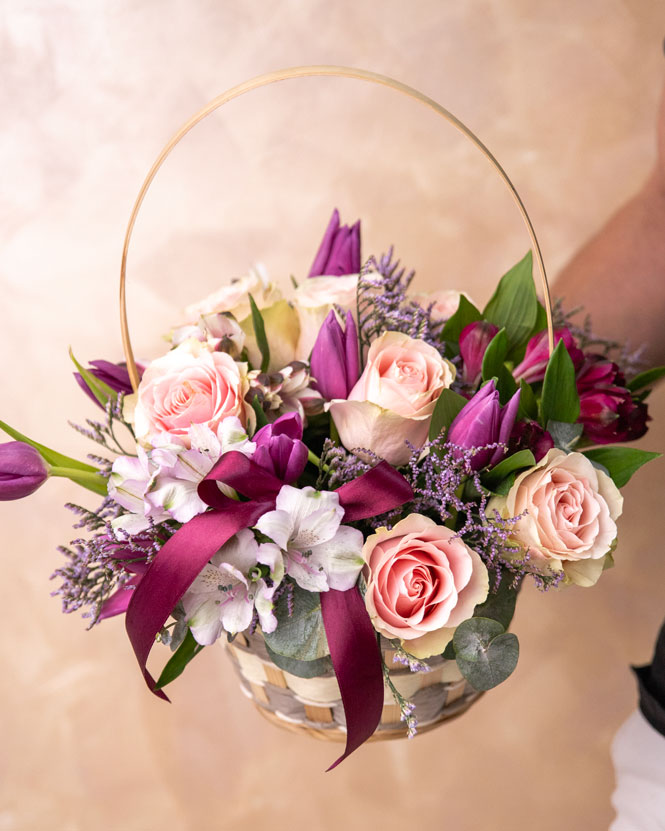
pixel 305 72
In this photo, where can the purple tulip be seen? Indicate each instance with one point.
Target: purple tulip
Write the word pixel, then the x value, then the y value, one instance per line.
pixel 115 375
pixel 484 421
pixel 279 448
pixel 473 342
pixel 335 363
pixel 22 470
pixel 339 252
pixel 537 355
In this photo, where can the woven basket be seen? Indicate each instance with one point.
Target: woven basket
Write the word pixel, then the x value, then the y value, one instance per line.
pixel 314 705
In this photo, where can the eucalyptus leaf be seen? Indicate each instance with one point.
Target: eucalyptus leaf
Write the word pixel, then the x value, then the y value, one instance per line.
pixel 565 436
pixel 466 313
pixel 646 379
pixel 514 305
pixel 260 333
pixel 521 459
pixel 301 635
pixel 303 669
pixel 560 401
pixel 186 652
pixel 620 462
pixel 448 406
pixel 52 457
pixel 486 654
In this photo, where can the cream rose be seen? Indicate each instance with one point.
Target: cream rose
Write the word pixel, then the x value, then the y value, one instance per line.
pixel 233 297
pixel 314 298
pixel 422 582
pixel 394 398
pixel 571 508
pixel 444 302
pixel 190 385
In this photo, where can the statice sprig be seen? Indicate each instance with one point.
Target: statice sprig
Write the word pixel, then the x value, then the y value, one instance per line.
pixel 103 433
pixel 406 707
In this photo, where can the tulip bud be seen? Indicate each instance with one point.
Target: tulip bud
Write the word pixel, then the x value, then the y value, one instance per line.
pixel 115 376
pixel 335 364
pixel 339 252
pixel 529 435
pixel 537 355
pixel 22 470
pixel 473 341
pixel 279 448
pixel 484 421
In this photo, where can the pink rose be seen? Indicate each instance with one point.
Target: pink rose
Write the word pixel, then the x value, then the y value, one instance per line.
pixel 422 582
pixel 444 302
pixel 571 508
pixel 394 398
pixel 314 298
pixel 190 385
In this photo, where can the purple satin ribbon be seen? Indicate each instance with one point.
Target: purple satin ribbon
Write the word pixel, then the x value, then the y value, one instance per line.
pixel 351 637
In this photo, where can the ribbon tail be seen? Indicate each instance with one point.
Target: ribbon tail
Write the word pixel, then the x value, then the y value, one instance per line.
pixel 357 663
pixel 379 490
pixel 173 571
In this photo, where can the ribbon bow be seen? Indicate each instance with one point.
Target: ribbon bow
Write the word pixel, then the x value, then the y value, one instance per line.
pixel 351 637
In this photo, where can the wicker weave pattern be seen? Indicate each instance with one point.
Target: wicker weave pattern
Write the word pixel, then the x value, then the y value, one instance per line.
pixel 314 705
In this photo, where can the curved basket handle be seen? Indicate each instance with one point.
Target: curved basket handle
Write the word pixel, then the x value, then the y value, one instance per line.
pixel 304 72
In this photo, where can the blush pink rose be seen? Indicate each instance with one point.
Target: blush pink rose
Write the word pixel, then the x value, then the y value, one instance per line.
pixel 394 398
pixel 190 385
pixel 422 582
pixel 444 302
pixel 570 511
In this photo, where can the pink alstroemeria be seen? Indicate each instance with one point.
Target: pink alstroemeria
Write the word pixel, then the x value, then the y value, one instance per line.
pixel 537 355
pixel 224 595
pixel 319 552
pixel 339 252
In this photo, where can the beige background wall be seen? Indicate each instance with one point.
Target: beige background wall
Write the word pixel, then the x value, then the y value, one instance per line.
pixel 564 93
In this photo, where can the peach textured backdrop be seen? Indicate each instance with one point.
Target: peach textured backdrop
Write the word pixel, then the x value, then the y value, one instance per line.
pixel 564 93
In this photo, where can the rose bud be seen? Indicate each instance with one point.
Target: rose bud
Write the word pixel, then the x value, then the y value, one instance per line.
pixel 279 448
pixel 473 341
pixel 339 252
pixel 484 421
pixel 22 470
pixel 529 435
pixel 115 376
pixel 335 364
pixel 537 355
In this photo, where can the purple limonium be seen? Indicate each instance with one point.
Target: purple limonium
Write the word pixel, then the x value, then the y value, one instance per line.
pixel 22 470
pixel 339 252
pixel 335 362
pixel 483 421
pixel 280 449
pixel 473 342
pixel 537 355
pixel 115 376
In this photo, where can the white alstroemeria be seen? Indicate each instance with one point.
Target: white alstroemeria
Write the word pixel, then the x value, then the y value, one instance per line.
pixel 162 482
pixel 320 553
pixel 224 595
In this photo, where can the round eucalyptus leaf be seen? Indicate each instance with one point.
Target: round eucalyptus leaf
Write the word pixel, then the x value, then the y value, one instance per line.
pixel 303 669
pixel 486 654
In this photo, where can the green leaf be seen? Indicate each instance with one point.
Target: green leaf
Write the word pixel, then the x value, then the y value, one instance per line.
pixel 564 435
pixel 466 313
pixel 300 636
pixel 449 404
pixel 514 305
pixel 495 355
pixel 187 650
pixel 541 320
pixel 261 419
pixel 500 605
pixel 486 654
pixel 521 459
pixel 52 457
pixel 528 404
pixel 303 669
pixel 260 333
pixel 620 462
pixel 94 482
pixel 560 401
pixel 102 392
pixel 646 379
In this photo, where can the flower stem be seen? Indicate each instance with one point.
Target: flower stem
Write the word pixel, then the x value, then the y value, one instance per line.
pixel 315 460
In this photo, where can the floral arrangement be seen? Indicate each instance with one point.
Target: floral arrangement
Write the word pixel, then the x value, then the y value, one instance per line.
pixel 355 463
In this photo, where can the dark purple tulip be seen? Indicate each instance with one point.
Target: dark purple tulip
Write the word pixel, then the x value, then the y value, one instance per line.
pixel 339 252
pixel 484 421
pixel 473 341
pixel 115 375
pixel 22 470
pixel 529 435
pixel 532 368
pixel 335 363
pixel 279 448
